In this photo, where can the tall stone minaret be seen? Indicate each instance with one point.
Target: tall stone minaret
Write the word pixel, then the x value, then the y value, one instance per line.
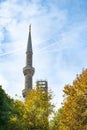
pixel 28 70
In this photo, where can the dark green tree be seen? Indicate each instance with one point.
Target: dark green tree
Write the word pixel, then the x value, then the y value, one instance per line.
pixel 5 109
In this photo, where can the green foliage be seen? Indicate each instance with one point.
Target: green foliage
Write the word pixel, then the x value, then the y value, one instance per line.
pixel 5 109
pixel 55 123
pixel 16 121
pixel 38 109
pixel 32 114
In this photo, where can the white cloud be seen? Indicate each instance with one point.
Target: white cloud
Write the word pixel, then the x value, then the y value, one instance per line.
pixel 53 43
pixel 3 82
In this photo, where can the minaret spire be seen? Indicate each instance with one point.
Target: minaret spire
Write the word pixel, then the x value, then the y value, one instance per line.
pixel 30 28
pixel 29 44
pixel 28 70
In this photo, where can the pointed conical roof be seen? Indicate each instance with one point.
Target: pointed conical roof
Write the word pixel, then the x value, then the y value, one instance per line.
pixel 29 44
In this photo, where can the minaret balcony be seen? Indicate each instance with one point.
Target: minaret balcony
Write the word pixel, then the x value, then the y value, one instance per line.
pixel 28 70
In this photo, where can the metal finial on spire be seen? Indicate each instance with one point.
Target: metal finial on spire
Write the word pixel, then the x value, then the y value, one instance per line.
pixel 30 28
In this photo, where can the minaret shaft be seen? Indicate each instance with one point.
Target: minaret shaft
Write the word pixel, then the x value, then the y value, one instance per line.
pixel 28 59
pixel 28 70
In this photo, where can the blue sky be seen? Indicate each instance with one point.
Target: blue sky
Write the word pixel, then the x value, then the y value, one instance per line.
pixel 59 38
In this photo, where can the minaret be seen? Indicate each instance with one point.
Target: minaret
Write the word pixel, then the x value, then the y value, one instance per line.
pixel 28 70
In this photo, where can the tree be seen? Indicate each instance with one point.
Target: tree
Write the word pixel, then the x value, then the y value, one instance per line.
pixel 16 121
pixel 11 113
pixel 74 115
pixel 38 108
pixel 33 113
pixel 5 109
pixel 55 123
